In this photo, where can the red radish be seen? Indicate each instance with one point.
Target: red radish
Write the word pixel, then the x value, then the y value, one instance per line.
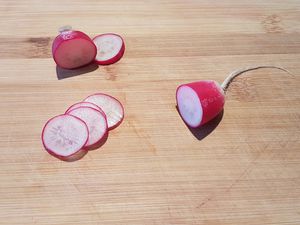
pixel 110 48
pixel 64 135
pixel 112 108
pixel 81 104
pixel 201 101
pixel 95 121
pixel 72 49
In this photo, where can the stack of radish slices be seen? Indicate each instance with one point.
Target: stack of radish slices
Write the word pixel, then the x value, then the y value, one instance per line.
pixel 84 126
pixel 73 49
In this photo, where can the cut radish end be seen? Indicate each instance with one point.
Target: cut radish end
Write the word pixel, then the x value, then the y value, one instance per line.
pixel 189 106
pixel 199 102
pixel 95 121
pixel 110 48
pixel 112 108
pixel 86 104
pixel 64 135
pixel 73 49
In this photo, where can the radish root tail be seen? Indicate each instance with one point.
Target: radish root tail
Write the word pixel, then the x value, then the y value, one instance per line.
pixel 238 72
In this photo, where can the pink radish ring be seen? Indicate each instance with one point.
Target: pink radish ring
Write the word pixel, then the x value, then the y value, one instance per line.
pixel 64 135
pixel 110 48
pixel 95 121
pixel 112 108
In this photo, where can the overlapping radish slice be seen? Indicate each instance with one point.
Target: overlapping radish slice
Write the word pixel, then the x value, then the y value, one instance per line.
pixel 110 48
pixel 82 104
pixel 64 135
pixel 112 108
pixel 95 121
pixel 72 49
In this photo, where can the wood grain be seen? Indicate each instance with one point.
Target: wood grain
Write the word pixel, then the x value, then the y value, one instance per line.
pixel 152 169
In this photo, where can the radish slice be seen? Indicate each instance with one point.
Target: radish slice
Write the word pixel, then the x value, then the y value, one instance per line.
pixel 72 49
pixel 110 48
pixel 112 108
pixel 199 102
pixel 95 121
pixel 82 104
pixel 64 135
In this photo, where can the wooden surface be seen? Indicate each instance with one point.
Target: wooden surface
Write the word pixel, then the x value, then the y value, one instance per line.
pixel 152 169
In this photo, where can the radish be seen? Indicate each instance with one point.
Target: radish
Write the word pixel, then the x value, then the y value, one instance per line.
pixel 95 121
pixel 201 101
pixel 112 108
pixel 87 104
pixel 110 48
pixel 72 49
pixel 64 135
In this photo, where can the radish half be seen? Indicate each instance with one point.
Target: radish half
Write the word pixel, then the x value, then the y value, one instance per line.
pixel 110 48
pixel 95 121
pixel 201 101
pixel 64 135
pixel 112 108
pixel 82 104
pixel 72 49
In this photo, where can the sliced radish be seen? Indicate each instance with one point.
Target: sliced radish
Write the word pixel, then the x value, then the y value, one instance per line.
pixel 110 48
pixel 72 49
pixel 199 102
pixel 87 104
pixel 112 108
pixel 95 121
pixel 64 135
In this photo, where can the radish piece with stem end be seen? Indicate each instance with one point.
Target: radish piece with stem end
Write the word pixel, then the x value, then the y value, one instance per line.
pixel 72 49
pixel 81 104
pixel 110 48
pixel 64 135
pixel 95 121
pixel 112 108
pixel 201 101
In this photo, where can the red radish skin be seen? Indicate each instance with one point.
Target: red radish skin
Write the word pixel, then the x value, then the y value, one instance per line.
pixel 112 108
pixel 73 49
pixel 201 101
pixel 64 135
pixel 82 104
pixel 110 48
pixel 95 121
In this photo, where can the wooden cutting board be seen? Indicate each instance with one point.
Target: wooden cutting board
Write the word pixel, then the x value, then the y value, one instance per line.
pixel 243 168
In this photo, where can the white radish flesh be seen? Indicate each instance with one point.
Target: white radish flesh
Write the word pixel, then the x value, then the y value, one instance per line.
pixel 64 135
pixel 112 108
pixel 110 48
pixel 95 121
pixel 189 106
pixel 82 104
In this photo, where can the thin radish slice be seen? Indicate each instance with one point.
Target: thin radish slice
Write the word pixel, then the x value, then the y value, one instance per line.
pixel 112 108
pixel 95 121
pixel 110 48
pixel 82 104
pixel 64 135
pixel 72 49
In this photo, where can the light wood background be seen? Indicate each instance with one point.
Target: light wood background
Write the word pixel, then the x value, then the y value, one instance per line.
pixel 152 169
